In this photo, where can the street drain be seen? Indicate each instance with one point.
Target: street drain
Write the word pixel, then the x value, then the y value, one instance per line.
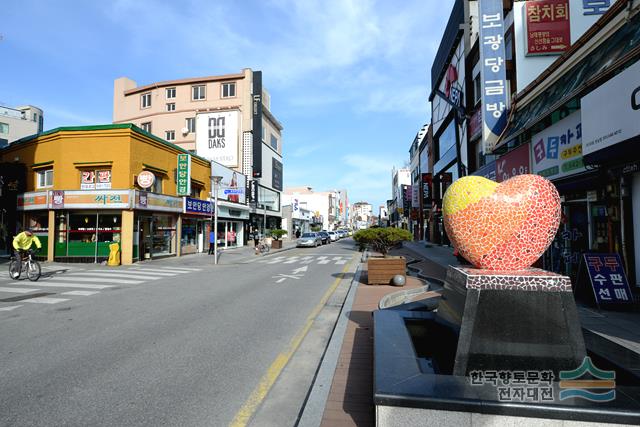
pixel 24 297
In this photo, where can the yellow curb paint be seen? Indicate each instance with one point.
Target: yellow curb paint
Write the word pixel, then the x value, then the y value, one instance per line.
pixel 245 413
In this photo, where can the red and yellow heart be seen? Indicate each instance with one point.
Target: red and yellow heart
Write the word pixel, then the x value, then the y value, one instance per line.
pixel 505 226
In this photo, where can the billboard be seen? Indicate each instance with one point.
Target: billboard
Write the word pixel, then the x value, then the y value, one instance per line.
pixel 276 174
pixel 548 27
pixel 493 74
pixel 611 113
pixel 557 150
pixel 217 137
pixel 230 180
pixel 256 123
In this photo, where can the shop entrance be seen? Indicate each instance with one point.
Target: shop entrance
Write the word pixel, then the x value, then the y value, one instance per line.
pixel 156 236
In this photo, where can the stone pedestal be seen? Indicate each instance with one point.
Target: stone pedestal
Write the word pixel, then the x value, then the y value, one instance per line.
pixel 512 320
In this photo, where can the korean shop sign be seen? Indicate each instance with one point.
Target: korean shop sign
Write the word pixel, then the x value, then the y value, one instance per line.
pixel 548 27
pixel 556 152
pixel 198 207
pixel 493 74
pixel 608 279
pixel 516 162
pixel 184 175
pixel 95 179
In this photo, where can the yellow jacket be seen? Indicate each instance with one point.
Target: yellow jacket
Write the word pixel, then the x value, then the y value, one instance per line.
pixel 24 242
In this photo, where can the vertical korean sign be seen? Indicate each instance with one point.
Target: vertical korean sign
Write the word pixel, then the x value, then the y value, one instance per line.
pixel 548 29
pixel 493 74
pixel 184 175
pixel 607 277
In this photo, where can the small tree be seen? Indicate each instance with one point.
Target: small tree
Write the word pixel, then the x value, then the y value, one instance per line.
pixel 278 233
pixel 316 228
pixel 382 239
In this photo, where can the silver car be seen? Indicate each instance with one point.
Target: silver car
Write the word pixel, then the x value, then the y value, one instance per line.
pixel 309 239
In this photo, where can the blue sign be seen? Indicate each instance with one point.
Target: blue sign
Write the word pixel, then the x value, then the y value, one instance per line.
pixel 487 171
pixel 493 76
pixel 233 191
pixel 196 206
pixel 607 277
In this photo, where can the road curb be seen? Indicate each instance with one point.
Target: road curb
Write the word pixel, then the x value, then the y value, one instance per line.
pixel 313 410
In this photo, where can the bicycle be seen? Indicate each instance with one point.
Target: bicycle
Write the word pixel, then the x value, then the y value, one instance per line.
pixel 262 247
pixel 17 266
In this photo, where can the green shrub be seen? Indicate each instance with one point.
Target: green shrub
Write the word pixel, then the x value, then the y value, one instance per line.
pixel 278 233
pixel 382 239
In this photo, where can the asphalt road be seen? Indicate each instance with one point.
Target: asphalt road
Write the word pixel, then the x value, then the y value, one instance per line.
pixel 174 342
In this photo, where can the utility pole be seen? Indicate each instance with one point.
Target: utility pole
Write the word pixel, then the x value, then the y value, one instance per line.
pixel 216 181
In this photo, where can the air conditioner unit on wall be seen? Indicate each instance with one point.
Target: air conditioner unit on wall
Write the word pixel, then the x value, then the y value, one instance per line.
pixel 185 131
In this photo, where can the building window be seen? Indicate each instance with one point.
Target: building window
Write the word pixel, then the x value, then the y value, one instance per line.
pixel 157 185
pixel 170 135
pixel 171 92
pixel 274 142
pixel 264 133
pixel 4 128
pixel 45 178
pixel 477 90
pixel 145 100
pixel 146 126
pixel 190 124
pixel 228 90
pixel 198 92
pixel 171 106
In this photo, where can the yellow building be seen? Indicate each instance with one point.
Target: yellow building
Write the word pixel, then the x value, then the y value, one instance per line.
pixel 88 187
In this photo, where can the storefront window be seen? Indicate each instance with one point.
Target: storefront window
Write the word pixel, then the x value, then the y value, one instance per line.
pixel 189 235
pixel 447 139
pixel 109 227
pixel 163 234
pixel 268 198
pixel 82 227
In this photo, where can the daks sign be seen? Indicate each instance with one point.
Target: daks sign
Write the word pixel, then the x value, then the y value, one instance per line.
pixel 217 137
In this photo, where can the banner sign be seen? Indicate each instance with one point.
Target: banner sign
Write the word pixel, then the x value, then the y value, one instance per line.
pixel 92 199
pixel 253 191
pixel 557 150
pixel 514 163
pixel 608 279
pixel 415 195
pixel 276 174
pixel 406 198
pixel 217 137
pixel 233 191
pixel 33 201
pixel 103 179
pixel 548 27
pixel 256 123
pixel 611 113
pixel 57 199
pixel 184 175
pixel 230 180
pixel 158 202
pixel 197 206
pixel 427 182
pixel 87 180
pixel 493 74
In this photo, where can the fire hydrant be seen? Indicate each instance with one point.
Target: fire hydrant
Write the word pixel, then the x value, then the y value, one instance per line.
pixel 114 254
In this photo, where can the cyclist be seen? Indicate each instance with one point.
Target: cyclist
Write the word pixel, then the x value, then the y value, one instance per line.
pixel 23 241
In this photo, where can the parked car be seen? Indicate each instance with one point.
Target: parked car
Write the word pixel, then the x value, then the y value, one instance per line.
pixel 334 236
pixel 309 239
pixel 343 233
pixel 325 237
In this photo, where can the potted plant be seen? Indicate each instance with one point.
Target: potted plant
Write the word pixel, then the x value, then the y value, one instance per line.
pixel 277 235
pixel 381 269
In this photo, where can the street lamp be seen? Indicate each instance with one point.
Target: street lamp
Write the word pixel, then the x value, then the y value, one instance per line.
pixel 216 181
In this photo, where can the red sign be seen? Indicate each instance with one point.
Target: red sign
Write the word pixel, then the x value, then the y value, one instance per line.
pixel 475 124
pixel 548 27
pixel 146 179
pixel 514 163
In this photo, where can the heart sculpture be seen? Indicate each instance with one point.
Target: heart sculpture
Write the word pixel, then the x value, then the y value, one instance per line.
pixel 505 226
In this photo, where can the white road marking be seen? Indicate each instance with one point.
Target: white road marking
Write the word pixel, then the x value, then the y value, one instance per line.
pixel 300 270
pixel 281 280
pixel 77 278
pixel 81 293
pixel 171 270
pixel 11 307
pixel 45 300
pixel 322 257
pixel 324 261
pixel 141 276
pixel 73 285
pixel 182 268
pixel 341 262
pixel 337 258
pixel 275 260
pixel 291 260
pixel 18 290
pixel 155 272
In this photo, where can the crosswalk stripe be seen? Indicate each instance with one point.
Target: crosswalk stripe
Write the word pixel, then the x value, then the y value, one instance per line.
pixel 182 268
pixel 324 261
pixel 341 262
pixel 322 257
pixel 156 272
pixel 73 285
pixel 11 307
pixel 172 270
pixel 81 293
pixel 142 276
pixel 275 260
pixel 77 278
pixel 45 300
pixel 17 290
pixel 337 258
pixel 291 260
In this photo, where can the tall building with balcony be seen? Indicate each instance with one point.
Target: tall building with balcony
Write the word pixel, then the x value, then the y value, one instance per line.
pixel 226 119
pixel 16 123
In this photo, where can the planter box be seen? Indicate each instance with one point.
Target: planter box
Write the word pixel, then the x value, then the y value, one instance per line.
pixel 380 270
pixel 276 244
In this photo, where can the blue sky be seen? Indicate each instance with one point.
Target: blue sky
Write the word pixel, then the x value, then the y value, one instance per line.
pixel 349 80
